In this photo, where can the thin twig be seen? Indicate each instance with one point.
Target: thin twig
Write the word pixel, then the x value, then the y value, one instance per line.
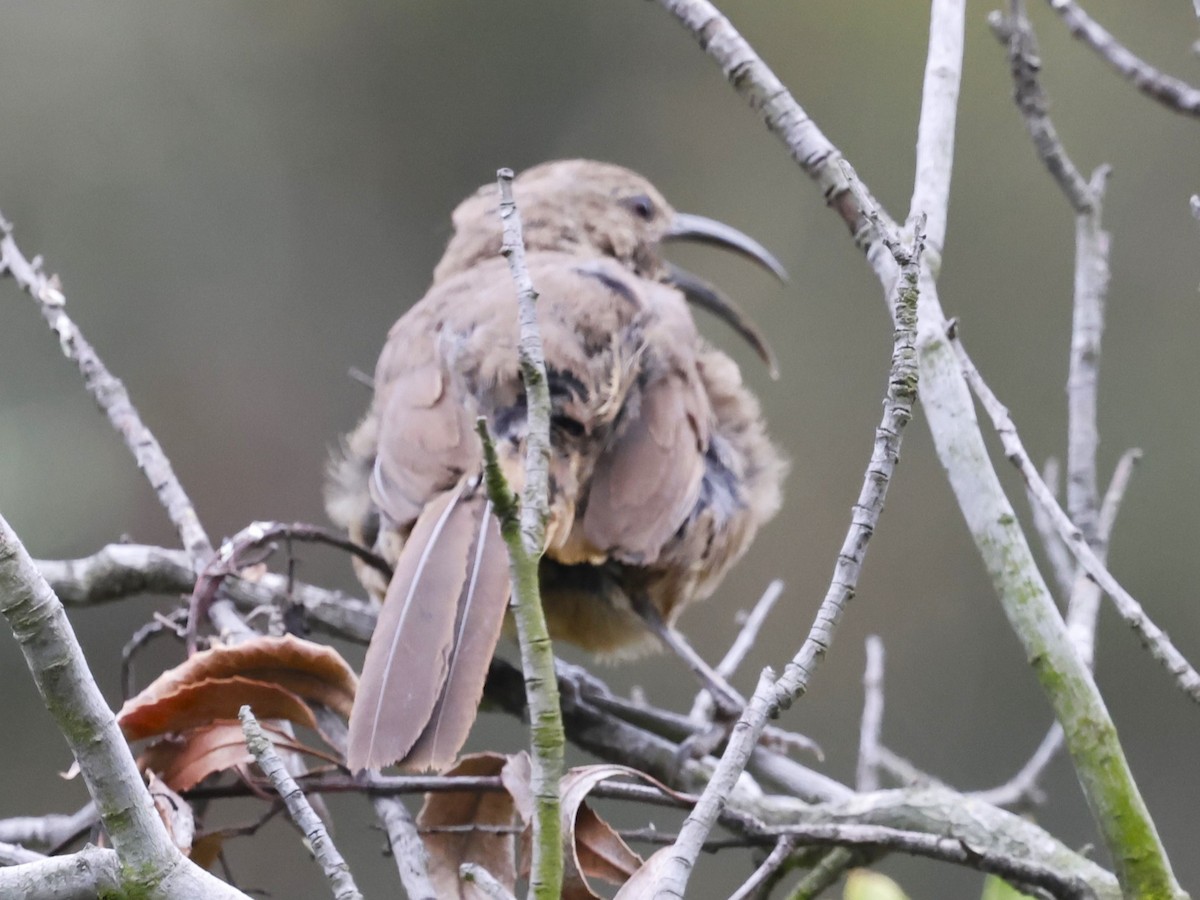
pixel 1084 608
pixel 309 823
pixel 872 717
pixel 1153 638
pixel 1023 787
pixel 108 392
pixel 118 571
pixel 771 695
pixel 1174 94
pixel 50 832
pixel 703 707
pixel 1013 29
pixel 232 556
pixel 808 146
pixel 535 499
pixel 1061 563
pixel 773 863
pixel 407 847
pixel 897 411
pixel 524 531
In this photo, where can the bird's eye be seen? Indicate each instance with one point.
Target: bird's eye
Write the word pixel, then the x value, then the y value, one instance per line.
pixel 641 206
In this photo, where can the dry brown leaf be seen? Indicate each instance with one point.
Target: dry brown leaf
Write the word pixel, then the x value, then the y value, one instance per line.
pixel 184 760
pixel 175 812
pixel 600 851
pixel 515 775
pixel 313 671
pixel 448 851
pixel 591 848
pixel 194 704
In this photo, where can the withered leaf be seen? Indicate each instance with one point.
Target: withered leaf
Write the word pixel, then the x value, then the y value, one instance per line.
pixel 313 671
pixel 184 760
pixel 487 809
pixel 591 848
pixel 193 704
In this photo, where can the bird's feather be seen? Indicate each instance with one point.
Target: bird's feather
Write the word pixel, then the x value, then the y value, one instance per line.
pixel 480 617
pixel 409 656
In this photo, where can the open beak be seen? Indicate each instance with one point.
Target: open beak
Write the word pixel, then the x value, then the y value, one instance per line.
pixel 703 230
pixel 709 231
pixel 704 295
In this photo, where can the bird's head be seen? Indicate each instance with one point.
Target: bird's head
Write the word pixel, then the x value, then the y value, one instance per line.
pixel 599 209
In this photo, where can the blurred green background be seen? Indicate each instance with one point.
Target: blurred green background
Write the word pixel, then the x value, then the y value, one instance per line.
pixel 241 198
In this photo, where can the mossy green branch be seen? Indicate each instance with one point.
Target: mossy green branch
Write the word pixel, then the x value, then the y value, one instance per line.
pixel 523 525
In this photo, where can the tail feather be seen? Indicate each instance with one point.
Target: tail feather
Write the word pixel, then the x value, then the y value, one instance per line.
pixel 480 619
pixel 438 629
pixel 408 658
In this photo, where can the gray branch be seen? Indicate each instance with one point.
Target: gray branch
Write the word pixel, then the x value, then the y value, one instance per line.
pixel 150 861
pixel 1174 94
pixel 867 778
pixel 108 392
pixel 298 807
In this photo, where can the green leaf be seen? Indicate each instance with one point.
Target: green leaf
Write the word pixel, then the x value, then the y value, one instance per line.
pixel 863 884
pixel 998 889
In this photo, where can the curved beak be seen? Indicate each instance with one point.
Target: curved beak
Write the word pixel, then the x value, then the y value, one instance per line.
pixel 688 227
pixel 704 295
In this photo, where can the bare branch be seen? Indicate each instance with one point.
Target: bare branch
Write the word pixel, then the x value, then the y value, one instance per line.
pixel 1061 563
pixel 525 540
pixel 407 847
pixel 90 873
pixel 485 881
pixel 124 570
pixel 897 411
pixel 946 849
pixel 807 145
pixel 673 879
pixel 1177 96
pixel 108 392
pixel 1016 33
pixel 149 859
pixel 872 717
pixel 309 823
pixel 535 499
pixel 935 130
pixel 1084 608
pixel 49 832
pixel 770 694
pixel 766 871
pixel 1153 638
pixel 232 557
pixel 702 707
pixel 1081 628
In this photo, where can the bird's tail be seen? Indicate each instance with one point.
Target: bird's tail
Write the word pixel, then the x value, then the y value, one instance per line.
pixel 438 628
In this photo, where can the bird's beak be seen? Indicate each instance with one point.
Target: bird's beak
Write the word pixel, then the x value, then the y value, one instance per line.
pixel 709 231
pixel 703 230
pixel 704 295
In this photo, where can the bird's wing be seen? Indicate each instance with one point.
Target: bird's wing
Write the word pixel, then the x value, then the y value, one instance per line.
pixel 646 483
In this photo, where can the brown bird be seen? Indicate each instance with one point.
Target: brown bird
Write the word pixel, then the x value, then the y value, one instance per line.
pixel 660 473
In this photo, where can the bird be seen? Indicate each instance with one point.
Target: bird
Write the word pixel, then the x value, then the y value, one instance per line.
pixel 661 468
